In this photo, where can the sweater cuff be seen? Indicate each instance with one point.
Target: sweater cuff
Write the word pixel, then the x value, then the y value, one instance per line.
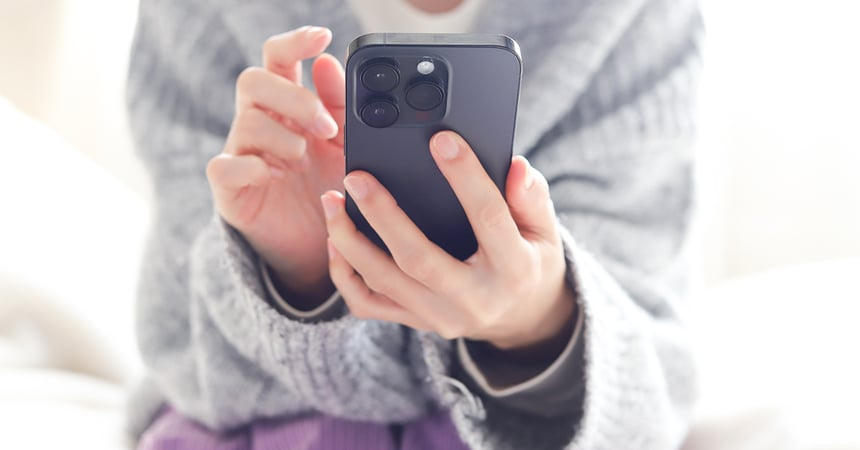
pixel 545 390
pixel 330 309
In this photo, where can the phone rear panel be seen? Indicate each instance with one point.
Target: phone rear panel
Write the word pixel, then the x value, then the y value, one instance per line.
pixel 475 79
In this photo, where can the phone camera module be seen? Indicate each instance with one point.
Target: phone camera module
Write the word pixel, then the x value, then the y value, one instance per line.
pixel 379 113
pixel 424 96
pixel 380 77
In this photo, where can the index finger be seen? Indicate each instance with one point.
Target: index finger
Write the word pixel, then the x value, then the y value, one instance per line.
pixel 283 53
pixel 486 209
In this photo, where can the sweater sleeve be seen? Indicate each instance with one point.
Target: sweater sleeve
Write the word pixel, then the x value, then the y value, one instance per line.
pixel 215 348
pixel 620 168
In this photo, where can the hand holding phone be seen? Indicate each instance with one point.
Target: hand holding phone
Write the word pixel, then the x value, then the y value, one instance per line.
pixel 511 292
pixel 442 231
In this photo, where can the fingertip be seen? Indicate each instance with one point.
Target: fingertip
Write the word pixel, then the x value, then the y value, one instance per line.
pixel 517 175
pixel 529 199
pixel 318 35
pixel 214 167
pixel 446 144
pixel 330 203
pixel 329 79
pixel 327 60
pixel 334 197
pixel 519 164
pixel 283 53
pixel 444 135
pixel 529 178
pixel 324 125
pixel 331 195
pixel 364 177
pixel 359 173
pixel 328 71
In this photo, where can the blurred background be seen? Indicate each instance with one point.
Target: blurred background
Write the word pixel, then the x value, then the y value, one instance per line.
pixel 776 244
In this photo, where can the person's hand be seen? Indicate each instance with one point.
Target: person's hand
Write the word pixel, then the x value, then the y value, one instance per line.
pixel 511 293
pixel 285 148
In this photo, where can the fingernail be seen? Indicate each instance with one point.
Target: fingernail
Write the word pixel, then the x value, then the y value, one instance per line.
pixel 315 32
pixel 446 146
pixel 356 187
pixel 324 126
pixel 329 207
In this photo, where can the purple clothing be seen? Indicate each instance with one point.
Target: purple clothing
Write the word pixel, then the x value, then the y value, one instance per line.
pixel 172 431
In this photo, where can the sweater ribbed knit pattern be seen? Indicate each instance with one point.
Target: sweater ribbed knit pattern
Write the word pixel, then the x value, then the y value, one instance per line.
pixel 605 114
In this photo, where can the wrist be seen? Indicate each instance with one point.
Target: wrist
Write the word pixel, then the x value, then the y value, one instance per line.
pixel 304 293
pixel 550 335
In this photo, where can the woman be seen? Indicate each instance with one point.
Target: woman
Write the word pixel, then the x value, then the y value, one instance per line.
pixel 266 320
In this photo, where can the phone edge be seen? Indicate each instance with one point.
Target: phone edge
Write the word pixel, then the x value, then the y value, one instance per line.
pixel 434 39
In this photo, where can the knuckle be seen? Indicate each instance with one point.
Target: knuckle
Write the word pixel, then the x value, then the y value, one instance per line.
pixel 377 283
pixel 294 148
pixel 419 267
pixel 249 78
pixel 492 216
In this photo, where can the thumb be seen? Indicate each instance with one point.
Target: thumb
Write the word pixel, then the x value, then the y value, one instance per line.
pixel 528 199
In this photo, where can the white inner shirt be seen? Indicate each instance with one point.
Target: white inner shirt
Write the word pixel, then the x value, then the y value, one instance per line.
pixel 399 16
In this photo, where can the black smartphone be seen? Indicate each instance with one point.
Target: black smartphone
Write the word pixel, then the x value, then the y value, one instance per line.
pixel 401 89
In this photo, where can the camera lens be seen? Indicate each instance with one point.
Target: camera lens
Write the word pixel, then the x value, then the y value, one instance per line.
pixel 424 96
pixel 379 113
pixel 380 77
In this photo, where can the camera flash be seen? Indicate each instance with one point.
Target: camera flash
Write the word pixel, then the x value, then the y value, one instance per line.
pixel 426 67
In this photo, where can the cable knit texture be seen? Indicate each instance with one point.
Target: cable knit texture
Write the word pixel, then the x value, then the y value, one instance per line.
pixel 605 114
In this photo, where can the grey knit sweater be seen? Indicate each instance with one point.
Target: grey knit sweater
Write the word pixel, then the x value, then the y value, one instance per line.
pixel 605 115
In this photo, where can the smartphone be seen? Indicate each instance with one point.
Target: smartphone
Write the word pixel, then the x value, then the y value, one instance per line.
pixel 401 89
